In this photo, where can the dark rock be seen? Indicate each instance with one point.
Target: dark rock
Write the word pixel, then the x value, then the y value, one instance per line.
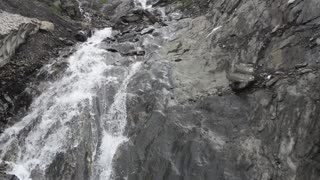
pixel 305 71
pixel 241 77
pixel 71 8
pixel 125 49
pixel 298 66
pixel 111 50
pixel 81 36
pixel 68 43
pixel 4 176
pixel 147 30
pixel 176 128
pixel 272 81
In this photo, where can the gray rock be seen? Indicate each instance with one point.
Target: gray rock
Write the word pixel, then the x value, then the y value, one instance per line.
pixel 13 40
pixel 305 71
pixel 71 8
pixel 244 68
pixel 298 66
pixel 12 22
pixel 46 26
pixel 8 177
pixel 147 30
pixel 178 128
pixel 175 16
pixel 272 81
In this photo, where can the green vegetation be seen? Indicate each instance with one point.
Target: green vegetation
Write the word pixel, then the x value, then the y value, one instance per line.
pixel 103 2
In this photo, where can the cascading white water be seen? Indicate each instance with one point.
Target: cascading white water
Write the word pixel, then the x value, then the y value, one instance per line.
pixel 54 109
pixel 142 4
pixel 85 14
pixel 113 124
pixel 48 129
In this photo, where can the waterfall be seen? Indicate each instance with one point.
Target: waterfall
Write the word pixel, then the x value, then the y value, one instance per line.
pixel 142 3
pixel 113 124
pixel 51 126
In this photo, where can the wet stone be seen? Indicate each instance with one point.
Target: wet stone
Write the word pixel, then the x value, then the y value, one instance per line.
pixel 147 30
pixel 272 81
pixel 302 65
pixel 305 71
pixel 81 36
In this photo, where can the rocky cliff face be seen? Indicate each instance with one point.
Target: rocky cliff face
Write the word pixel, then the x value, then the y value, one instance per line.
pixel 227 90
pixel 194 125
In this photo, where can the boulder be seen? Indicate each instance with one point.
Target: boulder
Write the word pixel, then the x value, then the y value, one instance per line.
pixel 46 26
pixel 239 81
pixel 241 76
pixel 81 36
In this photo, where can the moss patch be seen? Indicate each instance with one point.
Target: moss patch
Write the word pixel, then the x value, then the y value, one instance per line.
pixel 103 2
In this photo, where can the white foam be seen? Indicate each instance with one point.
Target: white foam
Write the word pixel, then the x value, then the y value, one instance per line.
pixel 53 111
pixel 114 123
pixel 142 4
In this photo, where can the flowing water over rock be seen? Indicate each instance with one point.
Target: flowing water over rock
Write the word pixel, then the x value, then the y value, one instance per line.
pixel 181 90
pixel 142 3
pixel 113 126
pixel 50 127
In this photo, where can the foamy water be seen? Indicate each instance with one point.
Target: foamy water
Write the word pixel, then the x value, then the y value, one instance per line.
pixel 33 143
pixel 142 4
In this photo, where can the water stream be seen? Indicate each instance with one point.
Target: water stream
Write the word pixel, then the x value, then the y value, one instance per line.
pixel 142 3
pixel 49 127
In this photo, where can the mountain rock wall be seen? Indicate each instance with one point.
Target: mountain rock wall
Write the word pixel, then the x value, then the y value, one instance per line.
pixel 228 90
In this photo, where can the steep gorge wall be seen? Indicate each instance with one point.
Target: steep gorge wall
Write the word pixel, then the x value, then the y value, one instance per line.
pixel 201 128
pixel 185 121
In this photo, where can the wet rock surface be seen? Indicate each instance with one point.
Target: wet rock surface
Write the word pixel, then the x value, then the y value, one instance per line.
pixel 190 123
pixel 228 90
pixel 19 75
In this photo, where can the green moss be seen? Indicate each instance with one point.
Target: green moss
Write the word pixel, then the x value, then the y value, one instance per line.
pixel 56 7
pixel 103 2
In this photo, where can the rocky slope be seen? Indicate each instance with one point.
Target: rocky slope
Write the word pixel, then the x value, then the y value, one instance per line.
pixel 228 90
pixel 197 122
pixel 21 70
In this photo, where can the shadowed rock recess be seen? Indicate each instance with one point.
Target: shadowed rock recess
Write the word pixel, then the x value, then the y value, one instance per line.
pixel 169 90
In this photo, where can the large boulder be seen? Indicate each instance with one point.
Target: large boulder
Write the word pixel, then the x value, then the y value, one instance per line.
pixel 47 26
pixel 241 76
